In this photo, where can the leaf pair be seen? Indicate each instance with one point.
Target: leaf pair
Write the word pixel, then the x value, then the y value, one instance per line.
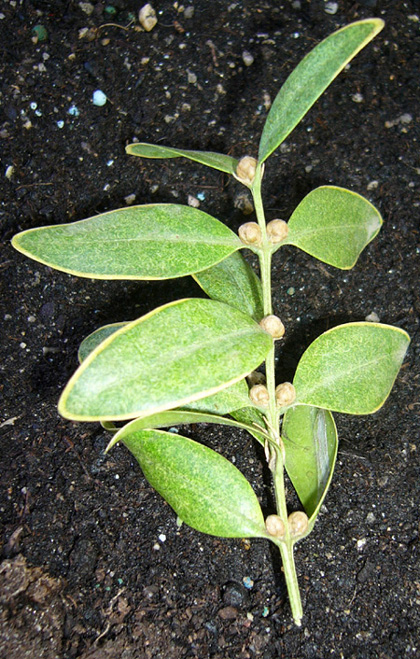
pixel 175 240
pixel 163 241
pixel 301 90
pixel 350 368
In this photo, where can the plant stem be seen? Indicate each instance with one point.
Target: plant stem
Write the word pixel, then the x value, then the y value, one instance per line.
pixel 277 465
pixel 286 544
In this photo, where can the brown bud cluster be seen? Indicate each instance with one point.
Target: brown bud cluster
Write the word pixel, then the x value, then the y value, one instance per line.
pixel 298 523
pixel 273 325
pixel 259 395
pixel 250 233
pixel 245 171
pixel 277 231
pixel 285 394
pixel 275 526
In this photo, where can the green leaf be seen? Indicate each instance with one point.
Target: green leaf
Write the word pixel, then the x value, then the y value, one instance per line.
pixel 311 77
pixel 206 491
pixel 351 368
pixel 216 160
pixel 333 225
pixel 93 340
pixel 156 241
pixel 225 401
pixel 174 418
pixel 234 281
pixel 253 418
pixel 178 353
pixel 310 441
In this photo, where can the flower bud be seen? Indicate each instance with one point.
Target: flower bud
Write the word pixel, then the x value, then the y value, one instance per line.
pixel 250 233
pixel 285 394
pixel 277 230
pixel 273 325
pixel 275 526
pixel 256 377
pixel 259 395
pixel 245 171
pixel 298 523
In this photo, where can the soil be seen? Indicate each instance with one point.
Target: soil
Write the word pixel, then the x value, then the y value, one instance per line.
pixel 93 563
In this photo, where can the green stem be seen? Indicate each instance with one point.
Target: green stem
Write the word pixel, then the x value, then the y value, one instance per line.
pixel 286 544
pixel 277 465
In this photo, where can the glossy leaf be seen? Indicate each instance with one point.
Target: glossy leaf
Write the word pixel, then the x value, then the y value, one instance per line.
pixel 351 368
pixel 310 441
pixel 333 225
pixel 311 77
pixel 206 491
pixel 173 418
pixel 215 160
pixel 178 353
pixel 155 241
pixel 93 340
pixel 223 402
pixel 233 281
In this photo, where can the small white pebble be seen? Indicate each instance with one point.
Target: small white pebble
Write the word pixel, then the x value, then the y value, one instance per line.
pixel 130 199
pixel 9 171
pixel 372 318
pixel 110 163
pixel 60 123
pixel 22 345
pixel 87 7
pixel 267 101
pixel 372 185
pixel 247 58
pixel 31 319
pixel 331 8
pixel 156 546
pixel 361 543
pixel 147 17
pixel 193 201
pixel 406 118
pixel 162 537
pixel 73 110
pixel 357 98
pixel 99 98
pixel 192 78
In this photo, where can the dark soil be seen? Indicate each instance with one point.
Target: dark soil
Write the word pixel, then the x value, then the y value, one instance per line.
pixel 93 564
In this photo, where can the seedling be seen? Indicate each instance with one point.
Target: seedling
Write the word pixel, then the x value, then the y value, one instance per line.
pixel 187 362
